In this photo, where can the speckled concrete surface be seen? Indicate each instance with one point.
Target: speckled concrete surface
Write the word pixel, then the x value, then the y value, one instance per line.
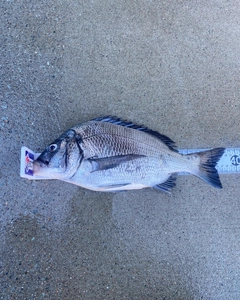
pixel 171 65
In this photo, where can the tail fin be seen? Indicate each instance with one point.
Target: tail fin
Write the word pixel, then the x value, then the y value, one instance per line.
pixel 207 167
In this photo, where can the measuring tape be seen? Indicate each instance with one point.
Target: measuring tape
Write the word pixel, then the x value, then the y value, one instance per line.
pixel 228 164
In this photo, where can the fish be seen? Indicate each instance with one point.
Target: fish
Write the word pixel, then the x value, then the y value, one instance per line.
pixel 109 154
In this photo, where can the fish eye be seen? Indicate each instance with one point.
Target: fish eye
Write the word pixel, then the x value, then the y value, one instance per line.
pixel 52 147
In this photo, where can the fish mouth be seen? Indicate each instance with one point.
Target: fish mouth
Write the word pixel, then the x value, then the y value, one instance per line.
pixel 38 166
pixel 43 159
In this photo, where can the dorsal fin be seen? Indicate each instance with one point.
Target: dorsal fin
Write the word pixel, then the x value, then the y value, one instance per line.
pixel 115 120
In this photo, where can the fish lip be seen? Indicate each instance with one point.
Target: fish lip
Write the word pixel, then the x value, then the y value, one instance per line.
pixel 39 164
pixel 36 166
pixel 44 159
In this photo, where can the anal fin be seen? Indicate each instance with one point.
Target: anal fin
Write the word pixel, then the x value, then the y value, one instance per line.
pixel 167 185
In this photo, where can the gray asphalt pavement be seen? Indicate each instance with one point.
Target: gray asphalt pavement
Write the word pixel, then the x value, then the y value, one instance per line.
pixel 170 65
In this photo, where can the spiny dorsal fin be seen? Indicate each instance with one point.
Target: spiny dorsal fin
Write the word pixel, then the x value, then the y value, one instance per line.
pixel 115 120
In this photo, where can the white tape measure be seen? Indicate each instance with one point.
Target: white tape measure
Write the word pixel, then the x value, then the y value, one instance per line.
pixel 228 164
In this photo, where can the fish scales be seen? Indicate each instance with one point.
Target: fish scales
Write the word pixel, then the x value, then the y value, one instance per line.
pixel 107 154
pixel 101 138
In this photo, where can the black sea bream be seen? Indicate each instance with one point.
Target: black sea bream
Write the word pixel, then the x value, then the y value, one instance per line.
pixel 108 154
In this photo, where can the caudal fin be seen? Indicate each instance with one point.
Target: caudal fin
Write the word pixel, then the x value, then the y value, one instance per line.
pixel 207 167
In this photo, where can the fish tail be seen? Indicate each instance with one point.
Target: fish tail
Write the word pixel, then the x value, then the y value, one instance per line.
pixel 206 168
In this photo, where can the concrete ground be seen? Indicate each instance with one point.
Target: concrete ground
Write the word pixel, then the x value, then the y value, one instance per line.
pixel 171 65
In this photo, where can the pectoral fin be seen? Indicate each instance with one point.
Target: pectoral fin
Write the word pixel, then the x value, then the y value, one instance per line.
pixel 114 187
pixel 106 163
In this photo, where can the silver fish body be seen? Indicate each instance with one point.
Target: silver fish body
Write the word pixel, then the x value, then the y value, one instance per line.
pixel 107 154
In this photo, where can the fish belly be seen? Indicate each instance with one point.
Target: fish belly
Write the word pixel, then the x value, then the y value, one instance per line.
pixel 136 174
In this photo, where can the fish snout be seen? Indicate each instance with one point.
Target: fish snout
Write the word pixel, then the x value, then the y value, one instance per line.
pixel 43 160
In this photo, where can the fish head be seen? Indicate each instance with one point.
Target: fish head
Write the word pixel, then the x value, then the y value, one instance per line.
pixel 61 158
